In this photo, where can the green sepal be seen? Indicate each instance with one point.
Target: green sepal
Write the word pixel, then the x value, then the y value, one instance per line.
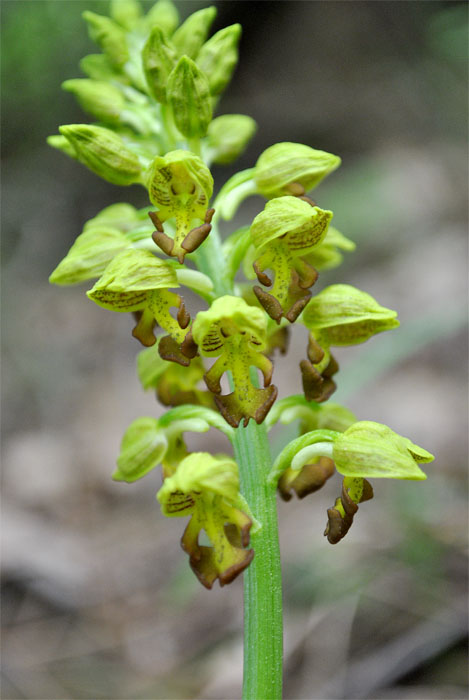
pixel 163 14
pixel 151 367
pixel 327 255
pixel 128 280
pixel 191 35
pixel 89 256
pixel 109 36
pixel 297 223
pixel 343 315
pixel 312 415
pixel 227 316
pixel 121 216
pixel 298 452
pixel 197 419
pixel 104 153
pixel 228 136
pixel 127 13
pixel 98 98
pixel 188 94
pixel 288 164
pixel 218 57
pixel 372 450
pixel 159 58
pixel 143 447
pixel 200 472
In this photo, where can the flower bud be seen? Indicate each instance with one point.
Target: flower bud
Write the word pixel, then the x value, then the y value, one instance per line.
pixel 229 135
pixel 163 14
pixel 286 164
pixel 109 36
pixel 62 144
pixel 191 35
pixel 126 12
pixel 159 59
pixel 188 93
pixel 218 57
pixel 343 315
pixel 98 67
pixel 104 152
pixel 98 98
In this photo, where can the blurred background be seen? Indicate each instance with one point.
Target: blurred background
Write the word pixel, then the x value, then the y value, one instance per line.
pixel 98 598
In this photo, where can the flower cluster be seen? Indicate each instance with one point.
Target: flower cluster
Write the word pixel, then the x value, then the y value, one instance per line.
pixel 153 92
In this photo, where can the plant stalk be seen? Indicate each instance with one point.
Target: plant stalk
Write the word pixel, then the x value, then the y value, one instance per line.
pixel 263 621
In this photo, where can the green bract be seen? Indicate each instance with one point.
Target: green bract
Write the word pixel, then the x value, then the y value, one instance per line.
pixel 369 449
pixel 344 315
pixel 236 333
pixel 104 152
pixel 206 488
pixel 188 93
pixel 284 165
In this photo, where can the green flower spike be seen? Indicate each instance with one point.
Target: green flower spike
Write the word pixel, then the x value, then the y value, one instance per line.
pixel 175 384
pixel 137 281
pixel 149 442
pixel 236 333
pixel 180 185
pixel 340 517
pixel 286 230
pixel 206 487
pixel 340 315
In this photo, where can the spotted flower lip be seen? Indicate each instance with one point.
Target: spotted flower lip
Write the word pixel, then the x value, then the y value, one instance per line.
pixel 206 487
pixel 236 334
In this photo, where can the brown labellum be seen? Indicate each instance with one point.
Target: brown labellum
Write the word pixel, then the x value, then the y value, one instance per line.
pixel 233 411
pixel 311 478
pixel 269 303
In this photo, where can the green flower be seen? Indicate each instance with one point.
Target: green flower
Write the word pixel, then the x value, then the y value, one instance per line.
pixel 286 230
pixel 236 334
pixel 206 487
pixel 180 185
pixel 137 281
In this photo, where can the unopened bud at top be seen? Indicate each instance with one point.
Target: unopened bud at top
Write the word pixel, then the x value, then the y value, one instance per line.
pixel 188 93
pixel 159 58
pixel 229 135
pixel 127 13
pixel 218 57
pixel 163 14
pixel 109 36
pixel 191 35
pixel 285 165
pixel 98 98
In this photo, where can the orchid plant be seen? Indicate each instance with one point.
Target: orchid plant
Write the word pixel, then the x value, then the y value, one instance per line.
pixel 152 92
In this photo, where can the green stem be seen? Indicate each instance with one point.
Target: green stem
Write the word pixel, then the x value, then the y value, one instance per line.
pixel 263 624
